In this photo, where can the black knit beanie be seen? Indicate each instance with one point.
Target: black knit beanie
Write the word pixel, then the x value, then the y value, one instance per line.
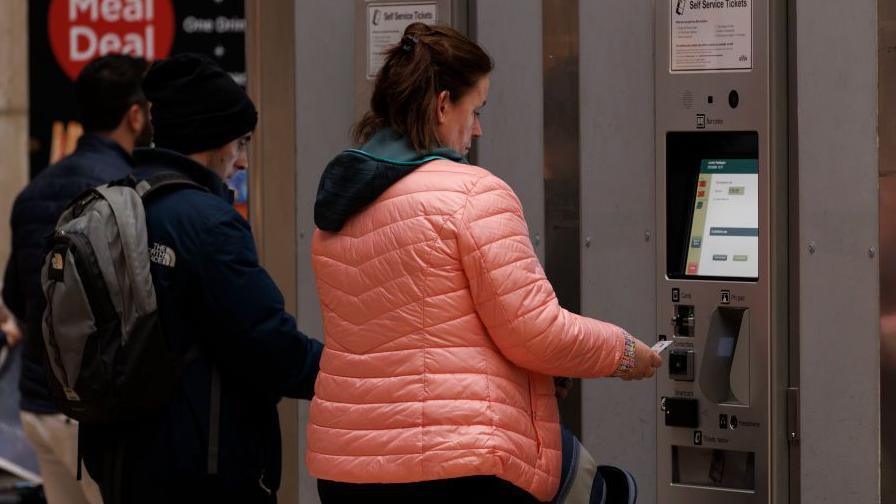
pixel 196 106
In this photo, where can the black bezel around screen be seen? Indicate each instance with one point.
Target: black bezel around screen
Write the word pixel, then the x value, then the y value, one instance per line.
pixel 684 152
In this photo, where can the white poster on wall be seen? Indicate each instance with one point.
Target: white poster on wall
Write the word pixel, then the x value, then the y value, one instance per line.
pixel 711 36
pixel 386 23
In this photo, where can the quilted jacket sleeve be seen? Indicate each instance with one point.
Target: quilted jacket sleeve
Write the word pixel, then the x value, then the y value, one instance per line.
pixel 516 302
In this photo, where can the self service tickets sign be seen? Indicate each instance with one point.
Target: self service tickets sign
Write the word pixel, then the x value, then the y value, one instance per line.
pixel 711 36
pixel 65 35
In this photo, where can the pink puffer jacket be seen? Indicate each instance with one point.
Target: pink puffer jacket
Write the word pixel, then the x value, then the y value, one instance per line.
pixel 442 336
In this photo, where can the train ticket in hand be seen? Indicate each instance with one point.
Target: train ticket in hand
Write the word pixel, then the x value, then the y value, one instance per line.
pixel 661 345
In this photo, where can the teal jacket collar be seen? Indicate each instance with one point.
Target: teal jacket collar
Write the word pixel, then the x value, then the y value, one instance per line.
pixel 390 146
pixel 356 177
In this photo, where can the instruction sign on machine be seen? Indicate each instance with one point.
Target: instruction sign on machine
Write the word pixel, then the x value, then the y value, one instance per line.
pixel 386 23
pixel 711 36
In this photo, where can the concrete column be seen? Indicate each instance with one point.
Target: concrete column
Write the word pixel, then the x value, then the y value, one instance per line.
pixel 13 111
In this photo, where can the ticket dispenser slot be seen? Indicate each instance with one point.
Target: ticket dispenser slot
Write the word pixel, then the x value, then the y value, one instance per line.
pixel 714 468
pixel 725 368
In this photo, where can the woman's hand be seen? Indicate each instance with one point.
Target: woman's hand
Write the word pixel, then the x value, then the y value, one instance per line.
pixel 646 361
pixel 638 360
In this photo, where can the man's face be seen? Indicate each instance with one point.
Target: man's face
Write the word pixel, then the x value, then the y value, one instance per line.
pixel 230 158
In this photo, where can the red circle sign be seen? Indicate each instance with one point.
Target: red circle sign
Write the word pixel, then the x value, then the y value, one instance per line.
pixel 81 30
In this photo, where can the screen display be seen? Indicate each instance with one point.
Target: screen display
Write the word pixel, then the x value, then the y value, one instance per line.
pixel 724 231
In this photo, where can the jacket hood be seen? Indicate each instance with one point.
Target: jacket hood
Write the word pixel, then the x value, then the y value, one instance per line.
pixel 356 177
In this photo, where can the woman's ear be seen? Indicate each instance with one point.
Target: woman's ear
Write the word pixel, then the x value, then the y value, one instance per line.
pixel 443 101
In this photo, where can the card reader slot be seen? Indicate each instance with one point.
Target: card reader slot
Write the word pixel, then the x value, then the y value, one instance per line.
pixel 683 321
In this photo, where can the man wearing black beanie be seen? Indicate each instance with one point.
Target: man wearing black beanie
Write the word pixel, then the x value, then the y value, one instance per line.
pixel 218 440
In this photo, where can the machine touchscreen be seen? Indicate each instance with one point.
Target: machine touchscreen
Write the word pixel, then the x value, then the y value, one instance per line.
pixel 724 231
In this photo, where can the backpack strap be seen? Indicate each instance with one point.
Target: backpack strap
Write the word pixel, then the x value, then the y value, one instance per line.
pixel 166 179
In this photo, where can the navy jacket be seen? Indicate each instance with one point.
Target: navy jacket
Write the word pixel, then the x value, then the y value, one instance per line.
pixel 97 160
pixel 214 296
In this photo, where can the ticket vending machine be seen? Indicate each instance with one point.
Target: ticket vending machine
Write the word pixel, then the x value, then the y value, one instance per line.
pixel 721 192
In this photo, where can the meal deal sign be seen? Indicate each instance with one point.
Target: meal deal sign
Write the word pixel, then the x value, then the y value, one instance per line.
pixel 711 35
pixel 82 30
pixel 65 35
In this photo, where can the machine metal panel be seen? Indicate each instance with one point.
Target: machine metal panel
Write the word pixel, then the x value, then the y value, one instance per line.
pixel 324 78
pixel 838 205
pixel 886 12
pixel 512 143
pixel 617 222
pixel 888 337
pixel 683 104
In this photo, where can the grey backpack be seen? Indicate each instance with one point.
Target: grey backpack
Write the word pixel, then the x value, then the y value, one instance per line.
pixel 107 358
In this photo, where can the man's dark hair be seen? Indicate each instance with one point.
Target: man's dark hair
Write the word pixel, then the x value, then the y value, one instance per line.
pixel 106 89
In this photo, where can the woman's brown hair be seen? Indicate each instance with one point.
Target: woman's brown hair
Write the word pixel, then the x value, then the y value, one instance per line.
pixel 427 61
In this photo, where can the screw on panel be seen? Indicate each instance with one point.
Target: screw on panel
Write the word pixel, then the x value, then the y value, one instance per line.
pixel 647 235
pixel 872 252
pixel 588 242
pixel 537 239
pixel 811 247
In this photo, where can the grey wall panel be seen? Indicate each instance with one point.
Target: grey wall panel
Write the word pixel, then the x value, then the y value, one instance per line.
pixel 618 284
pixel 838 204
pixel 512 143
pixel 886 19
pixel 325 89
pixel 888 335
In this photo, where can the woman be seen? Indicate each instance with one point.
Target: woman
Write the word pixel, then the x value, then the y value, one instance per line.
pixel 442 333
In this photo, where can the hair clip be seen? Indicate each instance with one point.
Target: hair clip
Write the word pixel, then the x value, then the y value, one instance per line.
pixel 408 42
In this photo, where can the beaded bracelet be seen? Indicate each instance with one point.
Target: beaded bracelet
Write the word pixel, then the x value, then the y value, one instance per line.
pixel 628 357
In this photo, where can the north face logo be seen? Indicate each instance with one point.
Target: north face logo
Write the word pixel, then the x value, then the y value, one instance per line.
pixel 160 254
pixel 57 262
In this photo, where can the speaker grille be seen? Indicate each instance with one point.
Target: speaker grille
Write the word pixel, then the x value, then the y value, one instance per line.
pixel 687 99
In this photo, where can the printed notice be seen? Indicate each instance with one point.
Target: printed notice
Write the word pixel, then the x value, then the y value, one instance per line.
pixel 711 35
pixel 385 26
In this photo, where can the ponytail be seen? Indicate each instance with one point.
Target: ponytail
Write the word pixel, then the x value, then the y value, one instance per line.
pixel 427 61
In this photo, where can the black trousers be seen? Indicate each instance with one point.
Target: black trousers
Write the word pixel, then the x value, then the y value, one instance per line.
pixel 467 490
